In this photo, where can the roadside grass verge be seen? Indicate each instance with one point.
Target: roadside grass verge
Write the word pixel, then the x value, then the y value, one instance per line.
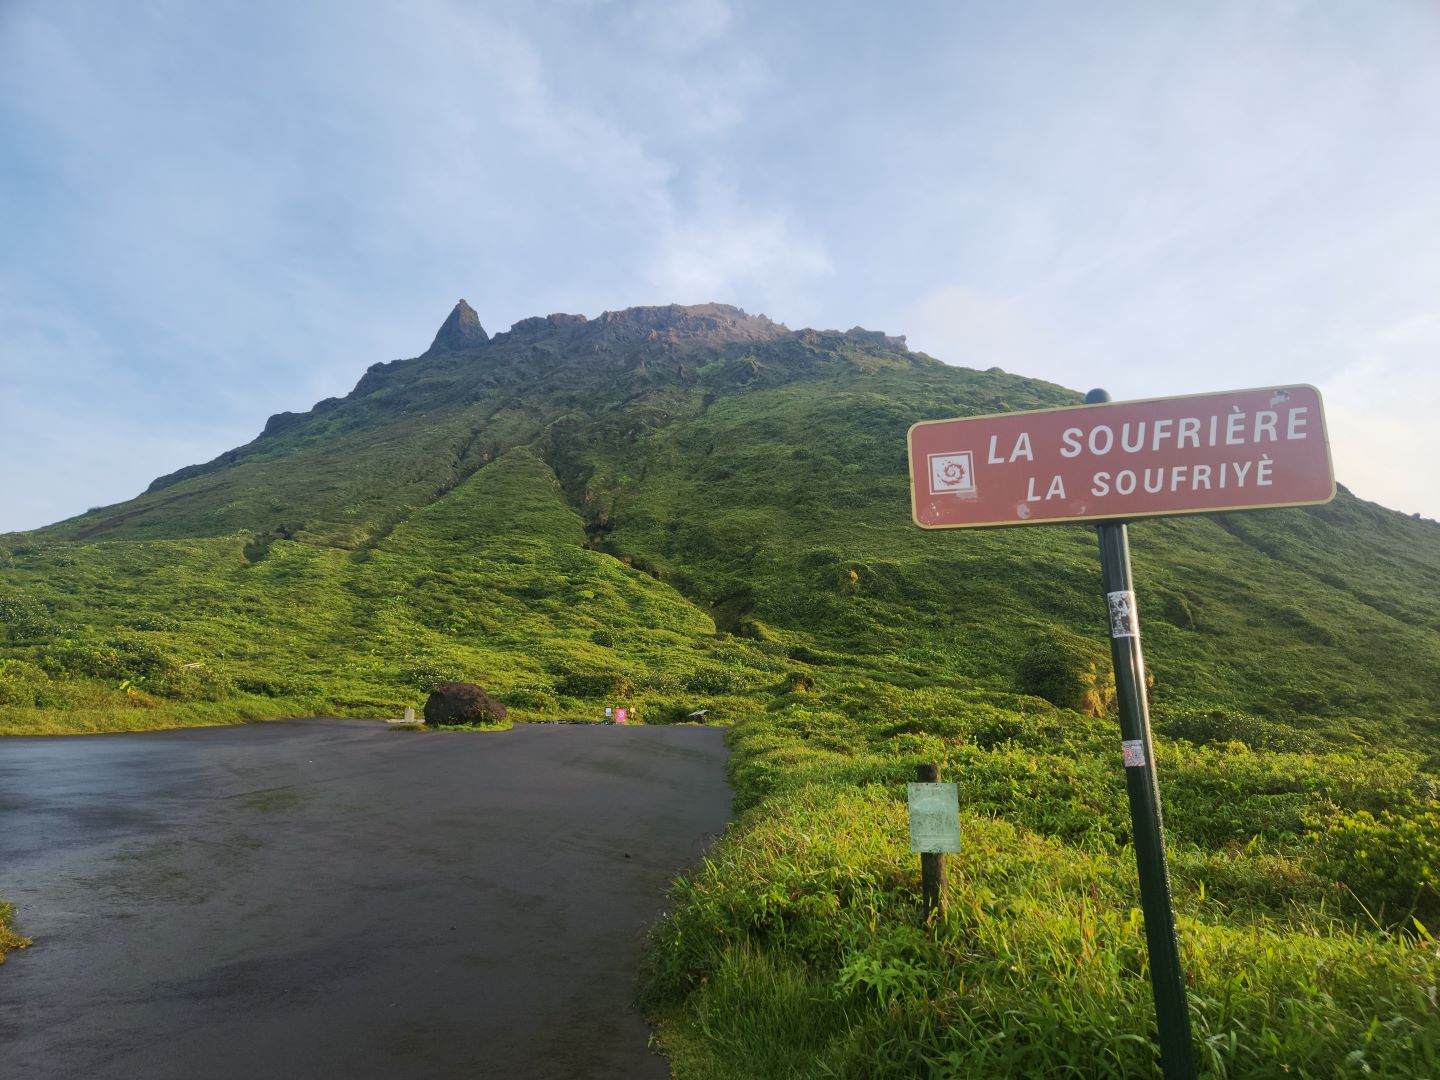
pixel 95 720
pixel 799 947
pixel 499 725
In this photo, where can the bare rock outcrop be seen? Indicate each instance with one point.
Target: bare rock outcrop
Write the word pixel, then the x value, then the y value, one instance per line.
pixel 460 330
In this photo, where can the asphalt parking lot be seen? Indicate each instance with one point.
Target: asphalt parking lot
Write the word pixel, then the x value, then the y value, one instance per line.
pixel 333 898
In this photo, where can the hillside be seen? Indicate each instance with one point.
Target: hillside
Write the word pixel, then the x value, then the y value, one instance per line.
pixel 690 470
pixel 689 508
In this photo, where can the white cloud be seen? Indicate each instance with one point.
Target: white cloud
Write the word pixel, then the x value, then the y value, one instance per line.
pixel 1381 413
pixel 1385 459
pixel 719 249
pixel 680 27
pixel 963 326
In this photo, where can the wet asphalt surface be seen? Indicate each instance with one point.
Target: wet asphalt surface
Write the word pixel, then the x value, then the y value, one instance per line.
pixel 335 899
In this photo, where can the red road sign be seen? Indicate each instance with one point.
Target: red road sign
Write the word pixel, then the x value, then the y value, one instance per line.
pixel 1238 450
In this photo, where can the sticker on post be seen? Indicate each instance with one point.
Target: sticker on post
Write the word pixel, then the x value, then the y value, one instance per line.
pixel 1134 752
pixel 1123 619
pixel 934 817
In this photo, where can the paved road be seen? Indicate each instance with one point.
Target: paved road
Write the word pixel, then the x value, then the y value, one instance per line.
pixel 335 899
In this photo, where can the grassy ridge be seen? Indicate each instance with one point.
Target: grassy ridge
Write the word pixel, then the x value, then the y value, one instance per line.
pixel 696 510
pixel 194 632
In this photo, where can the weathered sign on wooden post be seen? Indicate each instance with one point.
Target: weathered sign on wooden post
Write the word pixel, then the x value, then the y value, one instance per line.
pixel 934 831
pixel 1108 462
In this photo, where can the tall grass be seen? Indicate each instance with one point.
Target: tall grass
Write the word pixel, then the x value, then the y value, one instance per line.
pixel 799 949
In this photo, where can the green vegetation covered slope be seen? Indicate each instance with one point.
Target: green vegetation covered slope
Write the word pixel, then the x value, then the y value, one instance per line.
pixel 692 508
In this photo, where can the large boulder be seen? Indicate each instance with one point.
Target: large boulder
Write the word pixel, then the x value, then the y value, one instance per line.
pixel 461 703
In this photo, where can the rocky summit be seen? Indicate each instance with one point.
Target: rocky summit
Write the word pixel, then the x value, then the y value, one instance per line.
pixel 460 330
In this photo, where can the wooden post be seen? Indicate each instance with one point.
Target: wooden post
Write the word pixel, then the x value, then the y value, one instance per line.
pixel 934 875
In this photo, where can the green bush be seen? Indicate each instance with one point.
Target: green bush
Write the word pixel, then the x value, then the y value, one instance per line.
pixel 798 682
pixel 154 621
pixel 426 674
pixel 1390 861
pixel 710 680
pixel 274 686
pixel 20 683
pixel 595 684
pixel 534 698
pixel 9 939
pixel 1230 725
pixel 189 683
pixel 26 622
pixel 1181 609
pixel 1069 672
pixel 112 658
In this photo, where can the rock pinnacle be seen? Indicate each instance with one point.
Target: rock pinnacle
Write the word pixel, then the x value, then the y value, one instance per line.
pixel 460 330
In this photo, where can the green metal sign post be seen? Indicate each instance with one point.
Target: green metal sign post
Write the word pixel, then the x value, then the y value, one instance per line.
pixel 1167 977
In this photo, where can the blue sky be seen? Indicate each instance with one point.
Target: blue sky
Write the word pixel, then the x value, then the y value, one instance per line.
pixel 213 212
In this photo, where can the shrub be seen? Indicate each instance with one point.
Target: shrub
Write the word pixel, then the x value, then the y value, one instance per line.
pixel 9 939
pixel 1069 672
pixel 189 683
pixel 24 622
pixel 797 682
pixel 273 686
pixel 1391 862
pixel 426 674
pixel 754 629
pixel 535 698
pixel 1229 725
pixel 113 658
pixel 710 680
pixel 1180 609
pixel 595 684
pixel 150 620
pixel 19 683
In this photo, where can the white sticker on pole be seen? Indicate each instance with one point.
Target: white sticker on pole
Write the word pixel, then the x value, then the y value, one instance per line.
pixel 1123 619
pixel 934 817
pixel 1134 751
